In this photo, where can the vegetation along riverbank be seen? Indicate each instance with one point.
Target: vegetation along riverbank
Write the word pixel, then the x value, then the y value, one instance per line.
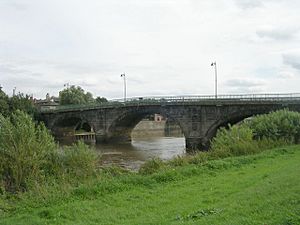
pixel 249 176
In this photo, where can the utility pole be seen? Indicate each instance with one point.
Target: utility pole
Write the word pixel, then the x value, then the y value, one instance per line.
pixel 216 78
pixel 124 77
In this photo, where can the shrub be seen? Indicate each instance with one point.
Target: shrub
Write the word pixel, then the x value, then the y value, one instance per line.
pixel 25 151
pixel 78 160
pixel 237 140
pixel 282 124
pixel 151 166
pixel 178 161
pixel 29 155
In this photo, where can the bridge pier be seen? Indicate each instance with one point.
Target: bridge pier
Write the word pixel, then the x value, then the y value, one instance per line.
pixel 195 143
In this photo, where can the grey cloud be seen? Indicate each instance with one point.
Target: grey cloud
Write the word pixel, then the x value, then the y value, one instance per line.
pixel 243 83
pixel 248 4
pixel 6 69
pixel 82 68
pixel 15 4
pixel 277 34
pixel 292 60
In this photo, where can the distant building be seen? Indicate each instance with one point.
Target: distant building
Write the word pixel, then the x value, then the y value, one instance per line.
pixel 158 118
pixel 48 103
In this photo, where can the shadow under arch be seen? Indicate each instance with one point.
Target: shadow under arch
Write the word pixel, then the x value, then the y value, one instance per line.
pixel 66 128
pixel 121 128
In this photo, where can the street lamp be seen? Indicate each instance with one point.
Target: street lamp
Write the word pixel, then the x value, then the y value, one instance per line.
pixel 124 77
pixel 216 78
pixel 14 91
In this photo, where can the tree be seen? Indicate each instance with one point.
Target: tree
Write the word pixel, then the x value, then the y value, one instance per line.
pixel 4 106
pixel 75 95
pixel 26 151
pixel 101 100
pixel 22 102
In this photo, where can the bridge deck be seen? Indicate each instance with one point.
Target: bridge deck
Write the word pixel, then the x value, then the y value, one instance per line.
pixel 184 100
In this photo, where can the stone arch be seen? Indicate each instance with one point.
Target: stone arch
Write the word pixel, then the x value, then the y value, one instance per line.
pixel 232 118
pixel 65 127
pixel 121 128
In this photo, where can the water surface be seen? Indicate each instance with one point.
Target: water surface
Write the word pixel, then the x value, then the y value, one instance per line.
pixel 132 155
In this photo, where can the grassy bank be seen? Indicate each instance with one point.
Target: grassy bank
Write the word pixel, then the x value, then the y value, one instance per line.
pixel 258 189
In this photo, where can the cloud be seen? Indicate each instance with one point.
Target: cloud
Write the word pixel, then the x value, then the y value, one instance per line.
pixel 164 46
pixel 248 4
pixel 292 60
pixel 285 75
pixel 244 85
pixel 15 4
pixel 277 33
pixel 244 82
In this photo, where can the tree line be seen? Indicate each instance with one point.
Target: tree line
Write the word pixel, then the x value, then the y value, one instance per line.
pixel 73 95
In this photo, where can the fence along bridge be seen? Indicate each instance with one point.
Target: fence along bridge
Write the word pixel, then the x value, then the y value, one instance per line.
pixel 199 117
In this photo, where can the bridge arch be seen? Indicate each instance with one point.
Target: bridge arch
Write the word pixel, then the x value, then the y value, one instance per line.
pixel 233 118
pixel 123 125
pixel 65 127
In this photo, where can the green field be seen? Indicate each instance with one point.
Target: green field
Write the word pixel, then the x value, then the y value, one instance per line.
pixel 257 189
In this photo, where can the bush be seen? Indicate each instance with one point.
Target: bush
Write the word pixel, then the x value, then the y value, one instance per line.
pixel 78 160
pixel 25 151
pixel 29 155
pixel 237 140
pixel 282 124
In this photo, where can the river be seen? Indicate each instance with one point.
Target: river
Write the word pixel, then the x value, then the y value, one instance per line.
pixel 133 155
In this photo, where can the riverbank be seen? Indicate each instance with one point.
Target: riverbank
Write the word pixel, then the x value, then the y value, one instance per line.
pixel 256 189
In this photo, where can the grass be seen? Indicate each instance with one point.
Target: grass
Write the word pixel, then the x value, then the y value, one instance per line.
pixel 256 189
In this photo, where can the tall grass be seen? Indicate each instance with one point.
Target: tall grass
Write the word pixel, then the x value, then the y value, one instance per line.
pixel 29 155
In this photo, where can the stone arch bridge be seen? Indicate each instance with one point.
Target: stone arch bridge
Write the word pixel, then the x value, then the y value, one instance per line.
pixel 199 117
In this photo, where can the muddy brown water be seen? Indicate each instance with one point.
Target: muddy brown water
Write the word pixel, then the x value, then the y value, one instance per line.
pixel 133 155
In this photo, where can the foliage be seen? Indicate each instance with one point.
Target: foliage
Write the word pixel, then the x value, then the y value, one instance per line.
pixel 30 157
pixel 256 189
pixel 236 140
pixel 4 106
pixel 282 124
pixel 101 100
pixel 259 133
pixel 20 101
pixel 75 95
pixel 151 166
pixel 25 150
pixel 78 160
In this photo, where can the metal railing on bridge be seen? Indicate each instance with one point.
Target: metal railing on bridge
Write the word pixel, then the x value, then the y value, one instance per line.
pixel 165 100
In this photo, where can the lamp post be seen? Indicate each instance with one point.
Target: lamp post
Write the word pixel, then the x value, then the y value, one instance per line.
pixel 216 78
pixel 14 91
pixel 124 77
pixel 67 85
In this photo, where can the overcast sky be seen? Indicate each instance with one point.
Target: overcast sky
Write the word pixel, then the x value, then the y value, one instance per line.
pixel 165 47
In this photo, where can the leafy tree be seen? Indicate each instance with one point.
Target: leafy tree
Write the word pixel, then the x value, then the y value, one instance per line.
pixel 75 95
pixel 101 100
pixel 25 151
pixel 4 106
pixel 22 102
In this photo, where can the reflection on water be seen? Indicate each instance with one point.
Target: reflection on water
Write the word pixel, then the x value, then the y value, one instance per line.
pixel 132 155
